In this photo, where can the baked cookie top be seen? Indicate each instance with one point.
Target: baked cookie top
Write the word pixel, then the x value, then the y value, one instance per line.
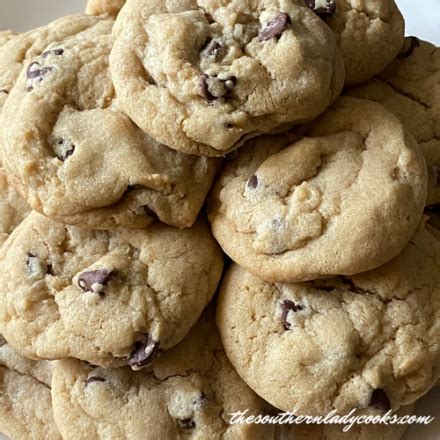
pixel 11 359
pixel 73 155
pixel 104 7
pixel 369 34
pixel 344 199
pixel 25 399
pixel 110 298
pixel 366 341
pixel 190 392
pixel 410 88
pixel 13 208
pixel 202 76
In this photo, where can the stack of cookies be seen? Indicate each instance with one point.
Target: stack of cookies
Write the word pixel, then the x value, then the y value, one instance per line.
pixel 306 131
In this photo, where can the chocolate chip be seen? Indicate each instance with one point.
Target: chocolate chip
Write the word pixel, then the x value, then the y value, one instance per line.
pixel 94 379
pixel 322 8
pixel 2 341
pixel 94 281
pixel 4 91
pixel 56 52
pixel 34 71
pixel 409 46
pixel 213 49
pixel 380 400
pixel 35 266
pixel 187 423
pixel 144 353
pixel 253 182
pixel 204 88
pixel 64 149
pixel 274 28
pixel 288 306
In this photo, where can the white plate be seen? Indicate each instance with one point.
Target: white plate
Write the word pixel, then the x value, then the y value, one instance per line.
pixel 423 20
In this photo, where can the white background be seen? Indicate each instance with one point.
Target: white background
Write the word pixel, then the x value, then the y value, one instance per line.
pixel 422 20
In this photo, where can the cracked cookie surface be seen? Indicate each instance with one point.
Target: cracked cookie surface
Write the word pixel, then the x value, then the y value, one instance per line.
pixel 371 340
pixel 188 393
pixel 25 397
pixel 71 153
pixel 201 76
pixel 410 88
pixel 104 7
pixel 344 199
pixel 369 33
pixel 110 298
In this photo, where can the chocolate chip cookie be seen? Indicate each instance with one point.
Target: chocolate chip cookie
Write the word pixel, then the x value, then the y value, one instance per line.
pixel 104 7
pixel 410 88
pixel 188 393
pixel 110 298
pixel 371 340
pixel 369 34
pixel 202 76
pixel 25 398
pixel 73 155
pixel 344 199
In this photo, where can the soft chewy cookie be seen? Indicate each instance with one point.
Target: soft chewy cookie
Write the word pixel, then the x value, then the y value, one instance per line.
pixel 110 298
pixel 369 33
pixel 201 76
pixel 367 341
pixel 25 398
pixel 73 155
pixel 188 393
pixel 104 7
pixel 344 199
pixel 410 88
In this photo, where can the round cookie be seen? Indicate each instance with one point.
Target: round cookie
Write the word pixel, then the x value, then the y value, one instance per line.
pixel 338 344
pixel 369 34
pixel 202 76
pixel 104 7
pixel 410 88
pixel 190 392
pixel 110 298
pixel 79 160
pixel 343 200
pixel 25 397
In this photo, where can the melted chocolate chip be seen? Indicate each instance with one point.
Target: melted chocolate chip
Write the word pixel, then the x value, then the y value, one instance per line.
pixel 408 49
pixel 34 71
pixel 94 281
pixel 56 52
pixel 94 379
pixel 274 28
pixel 213 49
pixel 288 306
pixel 253 182
pixel 204 88
pixel 4 91
pixel 144 353
pixel 322 8
pixel 380 400
pixel 65 149
pixel 187 423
